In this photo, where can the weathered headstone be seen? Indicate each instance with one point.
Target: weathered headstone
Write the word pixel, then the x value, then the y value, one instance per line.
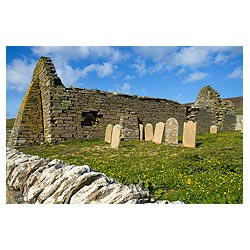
pixel 108 133
pixel 189 134
pixel 158 134
pixel 116 136
pixel 141 131
pixel 148 132
pixel 241 126
pixel 213 129
pixel 171 131
pixel 239 119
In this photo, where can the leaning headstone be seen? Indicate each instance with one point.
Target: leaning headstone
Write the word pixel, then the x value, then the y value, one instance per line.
pixel 116 136
pixel 141 131
pixel 213 129
pixel 108 133
pixel 158 134
pixel 189 134
pixel 171 131
pixel 148 132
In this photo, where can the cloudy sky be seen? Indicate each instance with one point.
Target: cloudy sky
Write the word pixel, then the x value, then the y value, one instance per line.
pixel 176 73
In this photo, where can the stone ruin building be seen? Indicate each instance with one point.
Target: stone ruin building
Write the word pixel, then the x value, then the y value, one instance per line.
pixel 52 113
pixel 209 109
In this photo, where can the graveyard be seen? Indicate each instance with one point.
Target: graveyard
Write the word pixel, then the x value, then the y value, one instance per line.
pixel 212 172
pixel 178 152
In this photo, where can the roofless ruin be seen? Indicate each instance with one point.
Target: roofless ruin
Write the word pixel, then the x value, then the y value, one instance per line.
pixel 52 113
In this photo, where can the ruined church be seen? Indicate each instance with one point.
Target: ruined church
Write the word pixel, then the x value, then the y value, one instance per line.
pixel 52 113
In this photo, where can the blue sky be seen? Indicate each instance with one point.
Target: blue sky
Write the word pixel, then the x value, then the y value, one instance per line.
pixel 175 73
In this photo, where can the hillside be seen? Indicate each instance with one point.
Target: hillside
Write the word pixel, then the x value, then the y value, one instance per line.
pixel 237 101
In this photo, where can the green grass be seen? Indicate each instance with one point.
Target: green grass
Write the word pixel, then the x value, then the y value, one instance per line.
pixel 210 173
pixel 239 111
pixel 10 123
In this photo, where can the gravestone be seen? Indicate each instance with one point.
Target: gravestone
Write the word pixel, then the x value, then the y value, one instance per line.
pixel 158 134
pixel 148 132
pixel 116 136
pixel 241 126
pixel 141 131
pixel 171 131
pixel 108 133
pixel 189 134
pixel 213 129
pixel 239 119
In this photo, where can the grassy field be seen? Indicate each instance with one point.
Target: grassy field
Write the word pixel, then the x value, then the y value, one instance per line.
pixel 210 173
pixel 239 111
pixel 9 123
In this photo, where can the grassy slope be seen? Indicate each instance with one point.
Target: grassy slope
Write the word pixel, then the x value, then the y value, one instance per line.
pixel 210 173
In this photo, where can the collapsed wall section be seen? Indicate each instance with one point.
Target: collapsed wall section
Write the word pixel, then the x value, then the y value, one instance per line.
pixel 209 109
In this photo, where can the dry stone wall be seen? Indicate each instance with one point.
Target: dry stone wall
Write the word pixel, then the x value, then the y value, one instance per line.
pixel 31 179
pixel 39 180
pixel 82 113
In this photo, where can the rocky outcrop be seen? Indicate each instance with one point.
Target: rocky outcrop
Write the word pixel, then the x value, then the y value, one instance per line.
pixel 39 180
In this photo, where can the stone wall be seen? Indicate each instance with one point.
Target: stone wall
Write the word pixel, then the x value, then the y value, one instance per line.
pixel 209 109
pixel 52 113
pixel 82 113
pixel 203 117
pixel 33 122
pixel 31 179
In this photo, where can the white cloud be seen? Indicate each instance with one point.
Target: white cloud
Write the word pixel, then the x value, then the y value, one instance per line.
pixel 237 73
pixel 64 54
pixel 104 70
pixel 70 76
pixel 140 66
pixel 19 74
pixel 180 71
pixel 220 58
pixel 192 56
pixel 124 88
pixel 156 53
pixel 158 67
pixel 196 76
pixel 128 78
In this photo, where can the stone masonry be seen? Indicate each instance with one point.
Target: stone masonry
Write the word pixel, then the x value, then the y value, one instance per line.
pixel 52 113
pixel 209 109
